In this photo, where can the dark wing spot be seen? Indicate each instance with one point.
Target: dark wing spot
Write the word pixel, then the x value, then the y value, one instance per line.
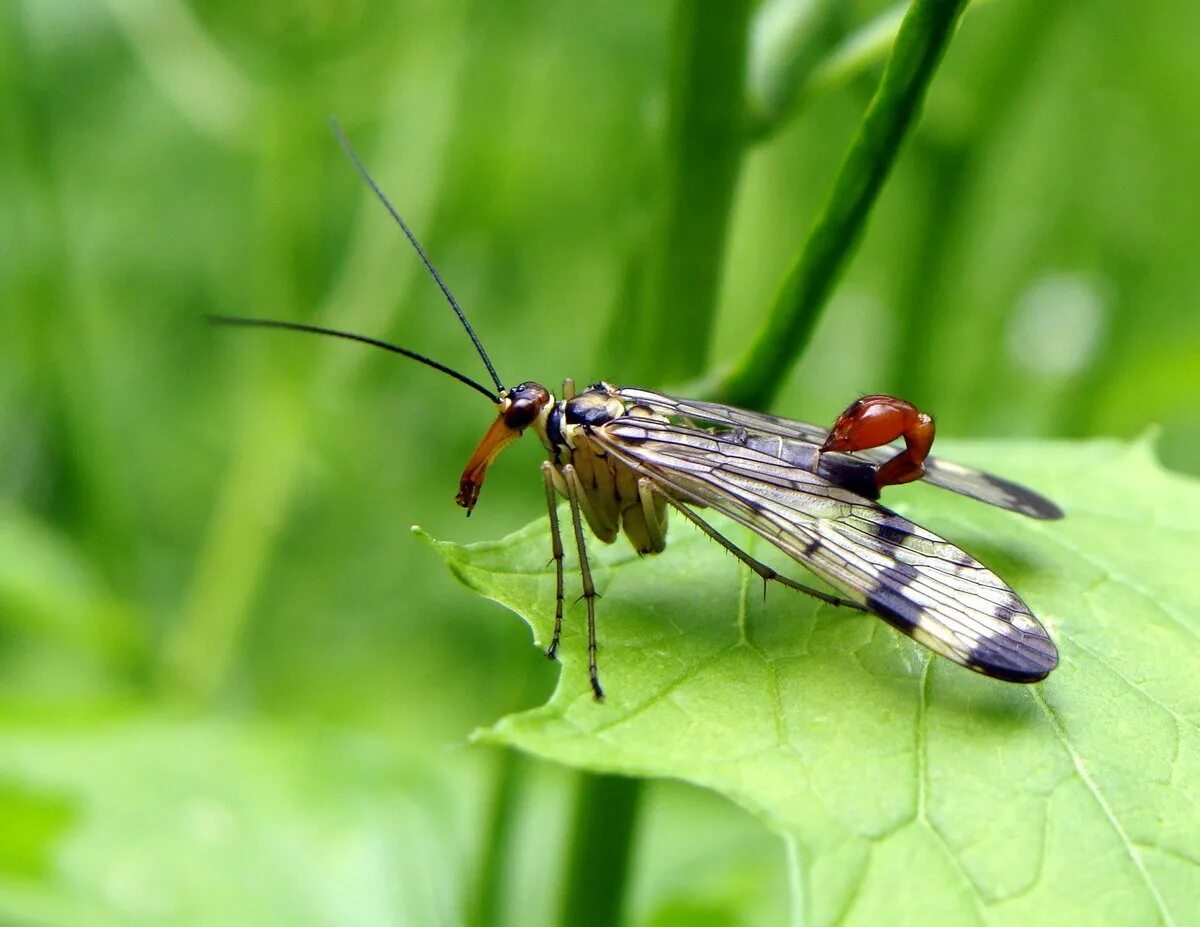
pixel 890 604
pixel 1030 660
pixel 858 476
pixel 1002 613
pixel 1023 500
pixel 900 574
pixel 893 531
pixel 889 601
pixel 1014 604
pixel 960 558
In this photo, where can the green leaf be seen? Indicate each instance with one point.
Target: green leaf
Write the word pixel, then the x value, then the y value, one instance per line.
pixel 907 788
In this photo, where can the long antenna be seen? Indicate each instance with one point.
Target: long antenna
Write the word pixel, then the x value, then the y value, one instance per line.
pixel 462 317
pixel 350 336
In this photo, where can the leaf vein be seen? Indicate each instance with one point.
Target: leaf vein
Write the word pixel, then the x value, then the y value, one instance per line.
pixel 1081 769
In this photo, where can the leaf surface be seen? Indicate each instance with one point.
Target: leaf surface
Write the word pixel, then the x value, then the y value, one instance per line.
pixel 910 790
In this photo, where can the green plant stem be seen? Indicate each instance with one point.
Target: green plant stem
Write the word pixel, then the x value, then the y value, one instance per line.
pixel 779 89
pixel 598 864
pixel 922 39
pixel 704 146
pixel 486 902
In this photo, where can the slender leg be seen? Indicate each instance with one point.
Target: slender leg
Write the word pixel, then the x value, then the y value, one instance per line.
pixel 568 392
pixel 602 522
pixel 574 491
pixel 556 547
pixel 656 520
pixel 757 566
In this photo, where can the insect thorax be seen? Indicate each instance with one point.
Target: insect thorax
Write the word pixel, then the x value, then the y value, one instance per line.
pixel 566 419
pixel 609 495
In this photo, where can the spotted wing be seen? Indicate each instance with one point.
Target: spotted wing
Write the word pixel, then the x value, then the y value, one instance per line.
pixel 800 435
pixel 912 579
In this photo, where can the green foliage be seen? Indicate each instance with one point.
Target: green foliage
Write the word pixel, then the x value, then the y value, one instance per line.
pixel 151 819
pixel 910 789
pixel 217 644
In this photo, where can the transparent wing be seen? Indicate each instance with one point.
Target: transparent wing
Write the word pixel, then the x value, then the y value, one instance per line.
pixel 917 582
pixel 973 483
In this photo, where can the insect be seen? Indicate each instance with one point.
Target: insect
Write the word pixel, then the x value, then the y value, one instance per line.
pixel 623 457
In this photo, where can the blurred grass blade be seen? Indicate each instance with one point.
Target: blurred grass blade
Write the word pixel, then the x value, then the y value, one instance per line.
pixel 788 41
pixel 204 641
pixel 923 37
pixel 704 144
pixel 190 67
pixel 598 867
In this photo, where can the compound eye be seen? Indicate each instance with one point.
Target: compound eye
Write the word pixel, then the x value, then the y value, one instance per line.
pixel 519 413
pixel 524 404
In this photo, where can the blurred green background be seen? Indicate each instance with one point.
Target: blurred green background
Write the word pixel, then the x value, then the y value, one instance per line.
pixel 233 687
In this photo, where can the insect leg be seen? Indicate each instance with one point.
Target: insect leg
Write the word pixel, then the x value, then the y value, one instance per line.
pixel 766 572
pixel 574 492
pixel 568 392
pixel 655 515
pixel 557 549
pixel 601 518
